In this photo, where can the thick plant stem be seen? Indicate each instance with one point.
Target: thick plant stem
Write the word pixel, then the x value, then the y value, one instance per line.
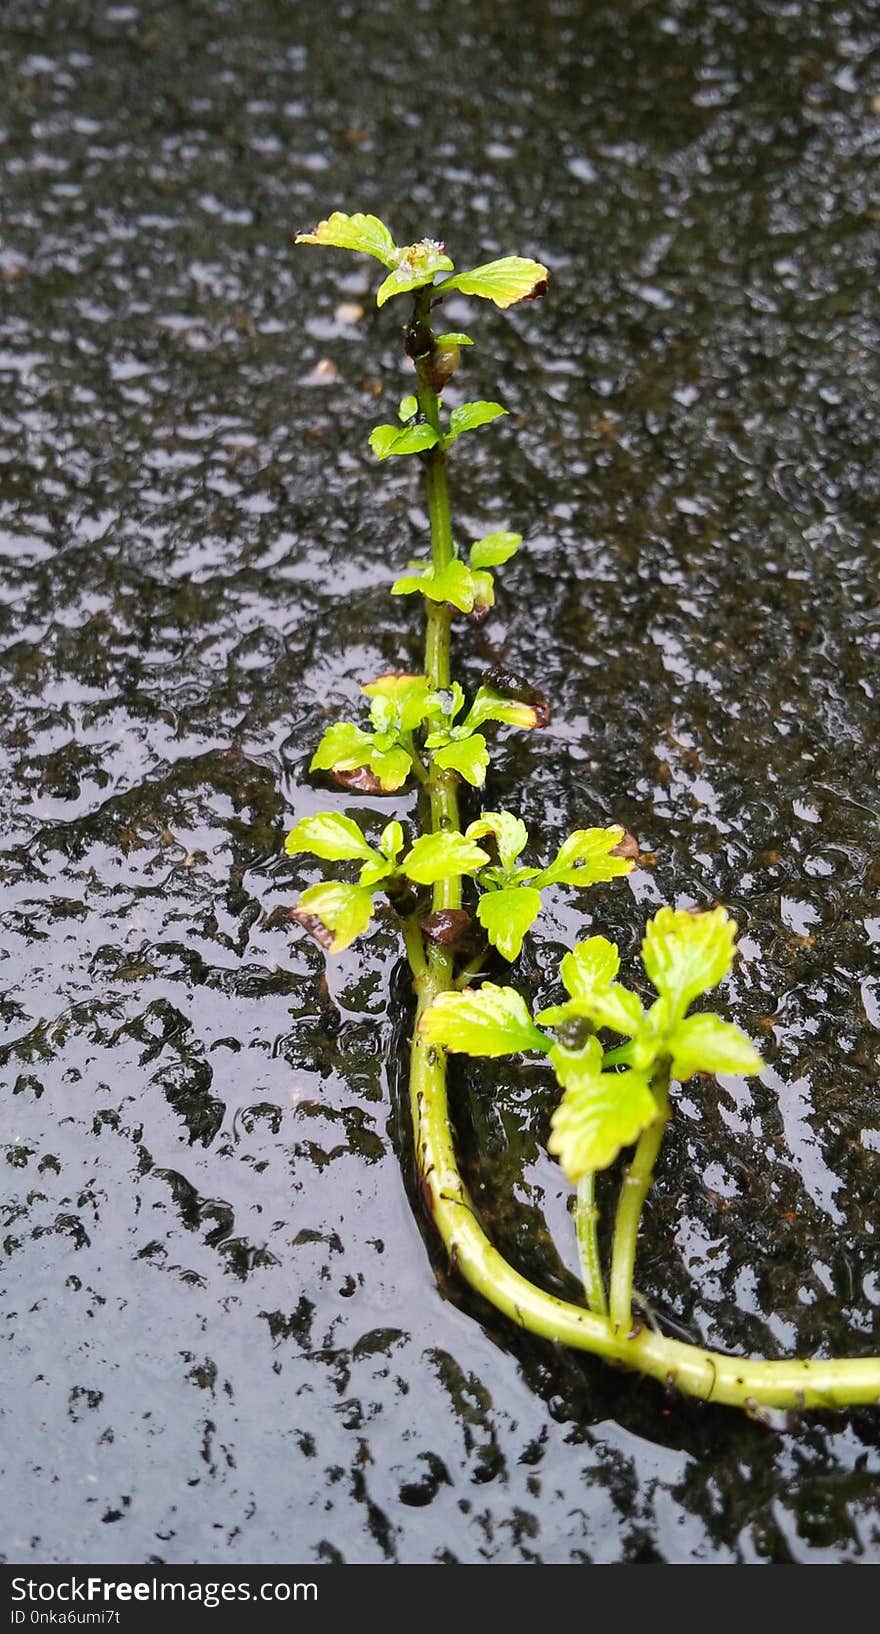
pixel 586 1221
pixel 633 1190
pixel 442 785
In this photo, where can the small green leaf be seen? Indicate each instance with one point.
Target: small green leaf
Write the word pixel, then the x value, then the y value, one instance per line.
pixel 441 856
pixel 454 583
pixel 453 338
pixel 586 857
pixel 341 912
pixel 467 756
pixel 417 265
pixel 391 841
pixel 491 705
pixel 572 1066
pixel 589 967
pixel 469 417
pixel 331 836
pixel 484 588
pixel 494 549
pixel 704 1044
pixel 558 1015
pixel 365 233
pixel 374 871
pixel 506 916
pixel 600 1112
pixel 511 834
pixel 615 1007
pixel 488 1020
pixel 504 282
pixel 410 696
pixel 343 747
pixel 386 441
pixel 408 408
pixel 391 766
pixel 685 954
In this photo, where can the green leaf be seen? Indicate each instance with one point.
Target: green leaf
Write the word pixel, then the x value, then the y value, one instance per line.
pixel 572 1066
pixel 417 264
pixel 484 588
pixel 511 834
pixel 357 232
pixel 374 871
pixel 585 858
pixel 599 1114
pixel 441 856
pixel 491 705
pixel 506 916
pixel 408 407
pixel 469 416
pixel 453 338
pixel 589 967
pixel 705 1044
pixel 494 549
pixel 614 1007
pixel 467 756
pixel 557 1015
pixel 331 836
pixel 391 766
pixel 342 748
pixel 340 912
pixel 386 441
pixel 391 840
pixel 488 1020
pixel 454 583
pixel 685 954
pixel 504 282
pixel 410 696
pixel 446 704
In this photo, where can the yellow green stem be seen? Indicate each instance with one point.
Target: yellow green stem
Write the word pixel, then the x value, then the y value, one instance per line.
pixel 442 785
pixel 634 1187
pixel 586 1224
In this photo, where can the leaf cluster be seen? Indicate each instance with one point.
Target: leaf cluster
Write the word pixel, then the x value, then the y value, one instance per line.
pixel 608 1097
pixel 401 705
pixel 510 898
pixel 413 266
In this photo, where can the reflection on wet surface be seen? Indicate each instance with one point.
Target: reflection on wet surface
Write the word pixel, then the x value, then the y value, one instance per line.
pixel 227 1338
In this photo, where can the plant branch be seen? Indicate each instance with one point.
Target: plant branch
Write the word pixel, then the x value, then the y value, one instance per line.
pixel 442 785
pixel 708 1375
pixel 415 947
pixel 633 1191
pixel 586 1221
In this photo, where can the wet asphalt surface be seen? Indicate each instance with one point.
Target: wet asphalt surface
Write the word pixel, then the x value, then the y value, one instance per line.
pixel 230 1335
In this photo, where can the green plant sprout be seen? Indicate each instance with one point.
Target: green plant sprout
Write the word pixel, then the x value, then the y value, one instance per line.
pixel 613 1058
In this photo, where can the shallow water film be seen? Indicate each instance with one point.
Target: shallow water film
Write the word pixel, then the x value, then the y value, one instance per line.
pixel 230 1334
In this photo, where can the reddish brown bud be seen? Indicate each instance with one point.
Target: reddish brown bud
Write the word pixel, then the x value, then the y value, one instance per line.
pixel 448 927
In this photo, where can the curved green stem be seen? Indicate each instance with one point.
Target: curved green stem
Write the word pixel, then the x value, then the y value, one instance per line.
pixel 633 1191
pixel 586 1224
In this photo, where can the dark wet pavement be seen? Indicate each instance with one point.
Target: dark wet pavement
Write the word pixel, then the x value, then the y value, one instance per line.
pixel 228 1338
